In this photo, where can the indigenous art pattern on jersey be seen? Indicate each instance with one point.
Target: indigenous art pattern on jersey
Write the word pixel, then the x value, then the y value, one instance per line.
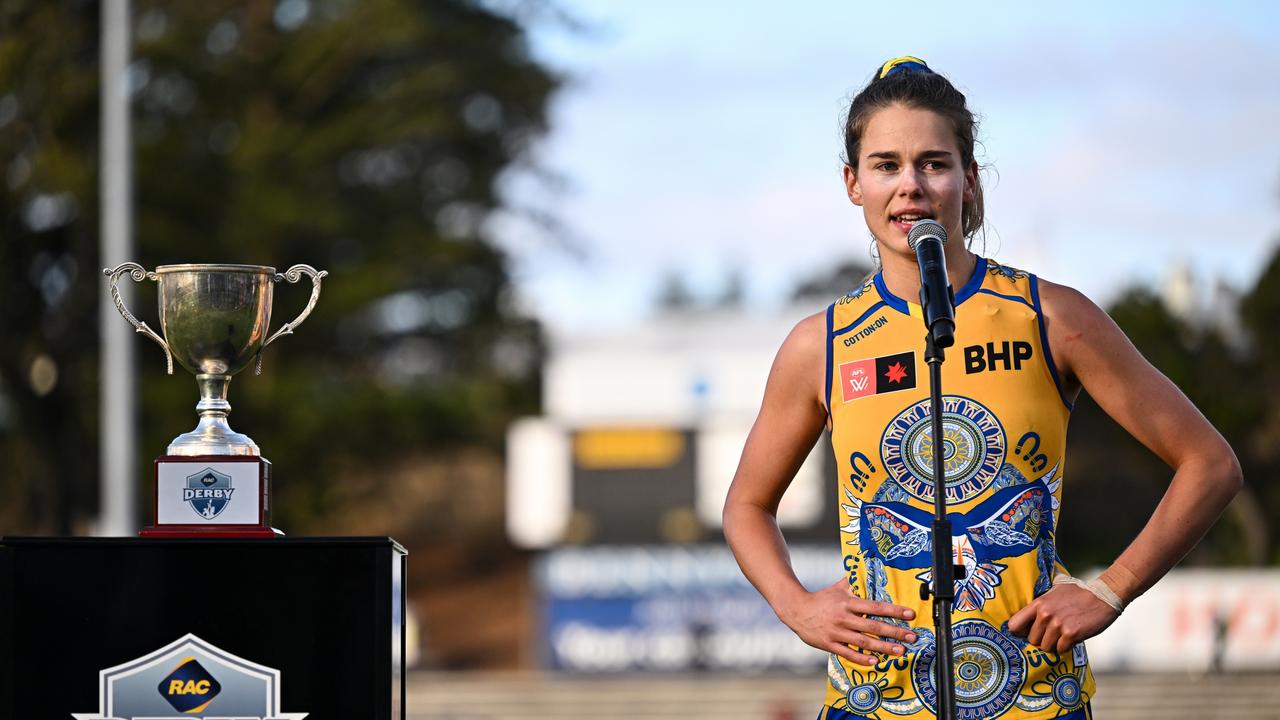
pixel 1003 441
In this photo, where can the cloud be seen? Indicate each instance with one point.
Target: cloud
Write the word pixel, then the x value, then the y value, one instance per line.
pixel 1119 138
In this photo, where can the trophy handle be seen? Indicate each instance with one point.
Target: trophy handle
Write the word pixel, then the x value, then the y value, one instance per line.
pixel 138 274
pixel 293 275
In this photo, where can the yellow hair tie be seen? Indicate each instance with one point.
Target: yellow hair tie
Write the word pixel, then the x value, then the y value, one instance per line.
pixel 906 62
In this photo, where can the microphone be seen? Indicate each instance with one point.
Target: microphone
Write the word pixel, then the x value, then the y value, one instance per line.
pixel 936 296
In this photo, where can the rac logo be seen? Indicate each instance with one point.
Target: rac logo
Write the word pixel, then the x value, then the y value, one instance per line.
pixel 189 688
pixel 193 677
pixel 992 356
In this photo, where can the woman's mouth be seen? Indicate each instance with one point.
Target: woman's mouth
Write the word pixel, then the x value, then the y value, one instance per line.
pixel 904 221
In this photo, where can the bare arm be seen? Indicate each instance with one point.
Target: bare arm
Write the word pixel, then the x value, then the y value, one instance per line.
pixel 1092 351
pixel 790 420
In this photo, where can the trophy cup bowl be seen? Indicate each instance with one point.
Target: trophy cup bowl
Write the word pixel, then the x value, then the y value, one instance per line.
pixel 214 319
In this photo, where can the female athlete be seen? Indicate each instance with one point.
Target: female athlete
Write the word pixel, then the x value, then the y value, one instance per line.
pixel 1025 348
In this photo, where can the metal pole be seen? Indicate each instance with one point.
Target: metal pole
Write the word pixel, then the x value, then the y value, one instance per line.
pixel 945 571
pixel 118 487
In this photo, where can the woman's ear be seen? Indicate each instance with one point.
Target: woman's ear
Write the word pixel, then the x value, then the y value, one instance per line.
pixel 971 181
pixel 851 186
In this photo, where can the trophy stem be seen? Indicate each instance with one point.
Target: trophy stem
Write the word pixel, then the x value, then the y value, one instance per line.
pixel 213 396
pixel 212 435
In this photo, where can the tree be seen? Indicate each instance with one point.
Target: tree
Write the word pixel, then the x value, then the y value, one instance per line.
pixel 1259 309
pixel 1105 462
pixel 829 285
pixel 364 138
pixel 675 295
pixel 734 291
pixel 48 221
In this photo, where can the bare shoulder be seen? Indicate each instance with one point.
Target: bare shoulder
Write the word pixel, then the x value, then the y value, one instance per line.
pixel 799 368
pixel 790 419
pixel 808 336
pixel 1079 331
pixel 1086 342
pixel 1067 306
pixel 1091 348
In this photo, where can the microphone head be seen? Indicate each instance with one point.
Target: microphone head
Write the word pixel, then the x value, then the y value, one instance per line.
pixel 926 228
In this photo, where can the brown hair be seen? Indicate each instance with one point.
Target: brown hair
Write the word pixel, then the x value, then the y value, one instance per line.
pixel 916 86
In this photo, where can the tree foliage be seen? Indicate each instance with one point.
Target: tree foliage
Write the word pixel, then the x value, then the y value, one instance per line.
pixel 363 138
pixel 827 286
pixel 1225 383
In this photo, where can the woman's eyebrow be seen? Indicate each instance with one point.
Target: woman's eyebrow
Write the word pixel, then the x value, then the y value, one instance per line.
pixel 893 154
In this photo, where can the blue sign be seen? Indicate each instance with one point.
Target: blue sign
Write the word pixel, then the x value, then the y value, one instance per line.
pixel 621 609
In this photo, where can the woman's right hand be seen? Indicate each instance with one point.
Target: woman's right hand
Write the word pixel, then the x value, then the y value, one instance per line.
pixel 835 620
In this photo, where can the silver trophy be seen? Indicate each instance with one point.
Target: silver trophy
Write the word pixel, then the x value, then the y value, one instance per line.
pixel 214 319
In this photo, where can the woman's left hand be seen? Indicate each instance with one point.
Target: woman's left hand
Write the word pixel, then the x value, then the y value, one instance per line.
pixel 1062 617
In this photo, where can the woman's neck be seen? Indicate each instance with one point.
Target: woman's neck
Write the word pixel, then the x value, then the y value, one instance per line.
pixel 902 274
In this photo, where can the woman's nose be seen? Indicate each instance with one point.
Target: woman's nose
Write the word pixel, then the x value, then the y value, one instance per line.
pixel 908 182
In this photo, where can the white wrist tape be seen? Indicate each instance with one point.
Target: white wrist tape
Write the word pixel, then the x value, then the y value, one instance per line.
pixel 1097 586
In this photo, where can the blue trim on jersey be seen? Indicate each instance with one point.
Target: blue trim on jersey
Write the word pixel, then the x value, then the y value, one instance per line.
pixel 975 281
pixel 831 320
pixel 971 286
pixel 831 342
pixel 830 713
pixel 889 298
pixel 1044 342
pixel 1014 298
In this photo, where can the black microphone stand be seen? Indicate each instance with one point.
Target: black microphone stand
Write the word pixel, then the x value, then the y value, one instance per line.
pixel 945 571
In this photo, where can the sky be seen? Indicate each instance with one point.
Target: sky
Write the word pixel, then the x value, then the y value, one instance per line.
pixel 702 139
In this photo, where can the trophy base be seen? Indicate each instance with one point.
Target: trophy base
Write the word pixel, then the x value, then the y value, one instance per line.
pixel 201 531
pixel 206 496
pixel 212 436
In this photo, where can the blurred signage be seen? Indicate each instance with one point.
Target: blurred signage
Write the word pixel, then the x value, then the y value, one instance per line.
pixel 1196 620
pixel 683 608
pixel 669 608
pixel 621 448
pixel 633 486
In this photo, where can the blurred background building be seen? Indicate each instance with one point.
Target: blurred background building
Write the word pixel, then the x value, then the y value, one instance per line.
pixel 619 489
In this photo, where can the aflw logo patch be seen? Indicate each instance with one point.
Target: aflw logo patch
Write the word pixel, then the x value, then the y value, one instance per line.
pixel 872 376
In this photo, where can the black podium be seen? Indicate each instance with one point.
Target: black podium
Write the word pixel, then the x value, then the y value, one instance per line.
pixel 193 628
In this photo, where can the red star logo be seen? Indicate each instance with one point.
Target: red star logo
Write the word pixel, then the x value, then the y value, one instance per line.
pixel 896 373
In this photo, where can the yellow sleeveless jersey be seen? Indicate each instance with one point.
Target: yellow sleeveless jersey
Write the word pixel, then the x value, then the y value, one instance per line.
pixel 1004 426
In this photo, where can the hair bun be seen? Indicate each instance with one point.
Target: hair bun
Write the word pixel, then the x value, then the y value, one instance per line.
pixel 899 64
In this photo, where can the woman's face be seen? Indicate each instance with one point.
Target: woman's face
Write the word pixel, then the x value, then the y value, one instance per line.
pixel 909 168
